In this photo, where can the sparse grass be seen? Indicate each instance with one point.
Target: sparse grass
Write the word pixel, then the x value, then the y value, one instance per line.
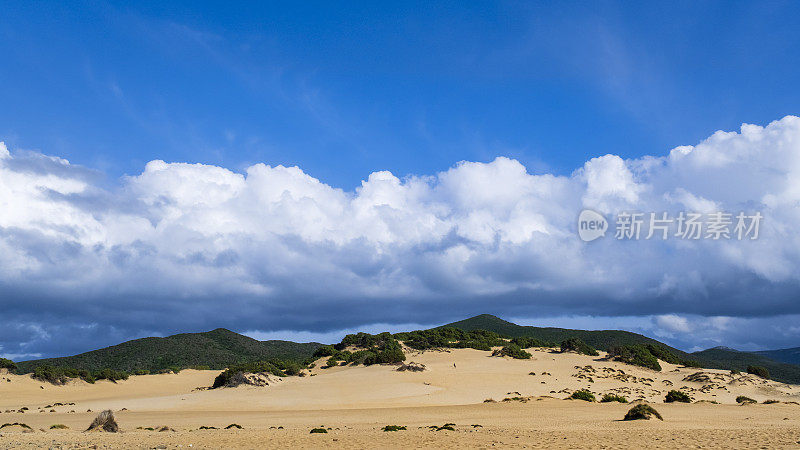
pixel 58 426
pixel 394 428
pixel 742 399
pixel 584 395
pixel 318 430
pixel 642 412
pixel 613 398
pixel 677 396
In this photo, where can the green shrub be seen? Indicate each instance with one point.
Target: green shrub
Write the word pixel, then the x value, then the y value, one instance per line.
pixel 613 398
pixel 577 345
pixel 771 402
pixel 677 396
pixel 393 428
pixel 7 364
pixel 527 342
pixel 638 355
pixel 583 394
pixel 514 351
pixel 642 411
pixel 275 367
pixel 758 370
pixel 318 430
pixel 234 425
pixel 743 399
pixel 325 350
pixel 450 338
pixel 142 372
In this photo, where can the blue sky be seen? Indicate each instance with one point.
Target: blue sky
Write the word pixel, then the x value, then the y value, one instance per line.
pixel 345 90
pixel 304 170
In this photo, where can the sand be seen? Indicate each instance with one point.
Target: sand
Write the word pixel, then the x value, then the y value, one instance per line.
pixel 354 403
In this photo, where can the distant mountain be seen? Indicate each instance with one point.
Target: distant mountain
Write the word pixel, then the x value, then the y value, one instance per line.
pixel 216 349
pixel 726 358
pixel 602 340
pixel 786 355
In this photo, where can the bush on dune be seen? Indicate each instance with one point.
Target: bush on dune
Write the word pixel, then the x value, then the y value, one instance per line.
pixel 613 398
pixel 7 364
pixel 742 399
pixel 578 346
pixel 759 371
pixel 677 396
pixel 642 412
pixel 637 355
pixel 512 350
pixel 234 375
pixel 584 395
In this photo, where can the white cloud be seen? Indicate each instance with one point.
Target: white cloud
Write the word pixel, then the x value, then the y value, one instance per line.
pixel 277 239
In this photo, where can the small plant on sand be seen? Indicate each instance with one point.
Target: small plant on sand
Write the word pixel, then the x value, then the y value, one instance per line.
pixel 771 402
pixel 204 427
pixel 447 426
pixel 318 430
pixel 742 399
pixel 104 422
pixel 16 424
pixel 578 346
pixel 393 428
pixel 759 371
pixel 58 426
pixel 584 395
pixel 677 396
pixel 642 411
pixel 234 425
pixel 613 398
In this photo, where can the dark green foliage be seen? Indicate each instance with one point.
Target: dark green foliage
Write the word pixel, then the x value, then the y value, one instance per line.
pixel 514 351
pixel 583 394
pixel 786 355
pixel 642 411
pixel 743 399
pixel 393 428
pixel 274 367
pixel 450 338
pixel 771 402
pixel 381 348
pixel 204 427
pixel 17 424
pixel 318 430
pixel 677 396
pixel 141 372
pixel 529 342
pixel 637 355
pixel 613 398
pixel 447 426
pixel 61 375
pixel 110 375
pixel 577 345
pixel 8 364
pixel 215 349
pixel 234 425
pixel 325 350
pixel 759 370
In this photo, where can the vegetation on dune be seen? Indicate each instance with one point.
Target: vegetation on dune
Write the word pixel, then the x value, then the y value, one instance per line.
pixel 759 371
pixel 642 411
pixel 677 396
pixel 512 350
pixel 104 422
pixel 729 359
pixel 58 426
pixel 8 365
pixel 451 338
pixel 380 348
pixel 742 399
pixel 61 375
pixel 393 428
pixel 233 376
pixel 16 424
pixel 529 342
pixel 577 345
pixel 648 355
pixel 584 395
pixel 613 398
pixel 318 430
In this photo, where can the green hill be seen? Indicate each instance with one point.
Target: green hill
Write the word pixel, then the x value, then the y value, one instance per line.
pixel 216 349
pixel 786 355
pixel 728 358
pixel 602 340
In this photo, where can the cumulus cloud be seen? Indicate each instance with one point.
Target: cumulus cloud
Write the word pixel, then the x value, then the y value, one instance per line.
pixel 191 246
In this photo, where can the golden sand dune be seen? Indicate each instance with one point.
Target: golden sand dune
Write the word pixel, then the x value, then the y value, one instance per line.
pixel 356 402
